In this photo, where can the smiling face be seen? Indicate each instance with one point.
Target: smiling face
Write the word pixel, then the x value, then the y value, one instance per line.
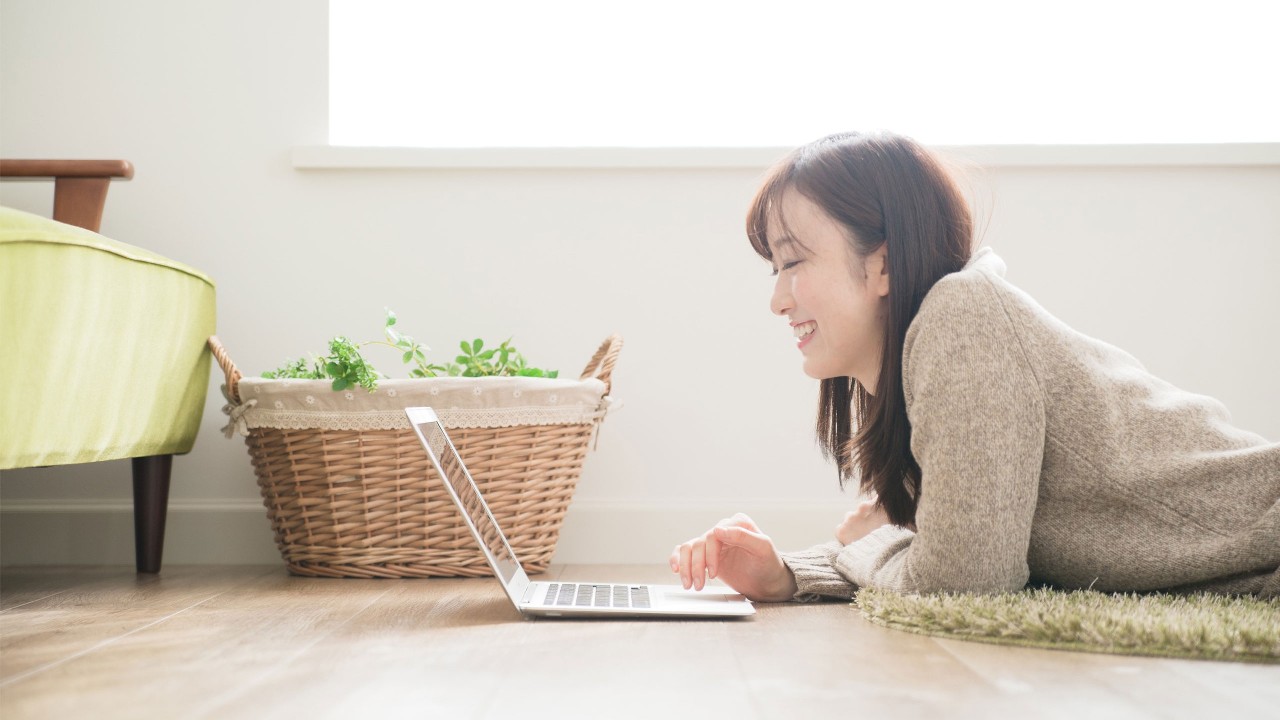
pixel 835 301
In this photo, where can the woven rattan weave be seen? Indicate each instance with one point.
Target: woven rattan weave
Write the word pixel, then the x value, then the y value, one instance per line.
pixel 368 503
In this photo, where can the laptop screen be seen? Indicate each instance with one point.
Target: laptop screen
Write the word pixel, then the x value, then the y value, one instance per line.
pixel 469 500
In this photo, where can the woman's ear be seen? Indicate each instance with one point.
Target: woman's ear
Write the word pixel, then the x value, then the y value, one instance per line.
pixel 878 270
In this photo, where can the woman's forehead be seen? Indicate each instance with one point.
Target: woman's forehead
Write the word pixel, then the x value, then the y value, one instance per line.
pixel 796 221
pixel 782 215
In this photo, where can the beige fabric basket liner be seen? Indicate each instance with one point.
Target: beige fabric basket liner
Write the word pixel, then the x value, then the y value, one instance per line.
pixel 460 402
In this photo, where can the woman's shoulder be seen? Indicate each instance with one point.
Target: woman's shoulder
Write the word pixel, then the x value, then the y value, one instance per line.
pixel 971 296
pixel 973 315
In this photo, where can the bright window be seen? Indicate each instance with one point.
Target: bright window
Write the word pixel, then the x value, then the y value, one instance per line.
pixel 770 74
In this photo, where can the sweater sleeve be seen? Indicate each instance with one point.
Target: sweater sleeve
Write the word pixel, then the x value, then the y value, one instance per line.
pixel 977 432
pixel 816 575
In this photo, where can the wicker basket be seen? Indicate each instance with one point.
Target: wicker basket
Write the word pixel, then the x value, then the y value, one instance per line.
pixel 364 501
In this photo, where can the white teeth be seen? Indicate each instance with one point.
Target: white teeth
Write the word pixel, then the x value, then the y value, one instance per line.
pixel 805 329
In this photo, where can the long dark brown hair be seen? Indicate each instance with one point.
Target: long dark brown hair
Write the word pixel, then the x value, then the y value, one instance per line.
pixel 883 189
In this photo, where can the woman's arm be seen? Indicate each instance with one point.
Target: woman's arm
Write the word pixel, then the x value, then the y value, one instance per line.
pixel 978 426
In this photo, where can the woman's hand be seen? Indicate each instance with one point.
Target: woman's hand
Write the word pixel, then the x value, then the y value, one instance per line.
pixel 860 522
pixel 736 552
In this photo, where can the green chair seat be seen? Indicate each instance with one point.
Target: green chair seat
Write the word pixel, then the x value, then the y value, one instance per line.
pixel 102 346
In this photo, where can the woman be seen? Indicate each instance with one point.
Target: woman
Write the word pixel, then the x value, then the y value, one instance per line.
pixel 1001 447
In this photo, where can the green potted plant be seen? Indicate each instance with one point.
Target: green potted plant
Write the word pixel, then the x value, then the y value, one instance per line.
pixel 346 366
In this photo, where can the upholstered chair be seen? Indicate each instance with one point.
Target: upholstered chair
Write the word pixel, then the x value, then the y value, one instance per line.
pixel 102 344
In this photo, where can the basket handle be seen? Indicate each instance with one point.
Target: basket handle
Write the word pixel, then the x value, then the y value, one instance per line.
pixel 601 365
pixel 228 367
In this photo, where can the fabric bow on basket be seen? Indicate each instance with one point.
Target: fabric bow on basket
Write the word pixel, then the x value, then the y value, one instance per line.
pixel 237 424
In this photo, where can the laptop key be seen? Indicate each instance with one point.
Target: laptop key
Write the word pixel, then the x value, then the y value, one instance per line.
pixel 566 595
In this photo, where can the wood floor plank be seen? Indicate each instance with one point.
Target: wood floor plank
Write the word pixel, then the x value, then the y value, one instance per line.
pixel 1253 688
pixel 1061 684
pixel 382 656
pixel 821 659
pixel 460 649
pixel 192 657
pixel 94 611
pixel 22 585
pixel 256 642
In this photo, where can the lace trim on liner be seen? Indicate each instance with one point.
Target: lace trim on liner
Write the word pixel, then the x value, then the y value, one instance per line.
pixel 453 418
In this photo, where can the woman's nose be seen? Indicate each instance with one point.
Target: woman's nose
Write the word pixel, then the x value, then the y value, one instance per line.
pixel 781 302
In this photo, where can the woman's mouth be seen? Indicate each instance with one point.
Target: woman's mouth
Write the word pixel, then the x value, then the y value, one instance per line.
pixel 804 333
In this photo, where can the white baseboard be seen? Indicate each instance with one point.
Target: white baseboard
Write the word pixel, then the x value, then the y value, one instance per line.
pixel 88 532
pixel 237 532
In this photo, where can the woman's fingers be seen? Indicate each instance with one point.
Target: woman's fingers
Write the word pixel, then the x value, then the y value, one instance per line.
pixel 690 561
pixel 686 576
pixel 861 521
pixel 698 564
pixel 712 551
pixel 741 520
pixel 698 560
pixel 844 529
pixel 752 542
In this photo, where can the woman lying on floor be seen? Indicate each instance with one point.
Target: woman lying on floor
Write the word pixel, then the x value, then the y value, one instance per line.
pixel 1001 446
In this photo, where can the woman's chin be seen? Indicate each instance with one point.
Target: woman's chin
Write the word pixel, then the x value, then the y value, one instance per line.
pixel 816 371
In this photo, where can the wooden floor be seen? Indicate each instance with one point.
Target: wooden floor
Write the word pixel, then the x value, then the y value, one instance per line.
pixel 249 642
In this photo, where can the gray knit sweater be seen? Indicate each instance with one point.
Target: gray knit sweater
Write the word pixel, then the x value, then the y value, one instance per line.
pixel 1049 456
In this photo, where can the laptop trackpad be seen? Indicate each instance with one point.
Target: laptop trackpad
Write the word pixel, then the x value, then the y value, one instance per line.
pixel 676 595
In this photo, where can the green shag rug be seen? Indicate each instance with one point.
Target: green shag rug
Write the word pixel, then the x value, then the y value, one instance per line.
pixel 1200 626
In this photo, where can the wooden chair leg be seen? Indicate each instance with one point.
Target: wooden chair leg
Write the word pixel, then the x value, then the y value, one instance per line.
pixel 150 505
pixel 79 200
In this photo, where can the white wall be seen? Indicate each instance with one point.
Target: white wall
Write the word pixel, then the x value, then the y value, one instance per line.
pixel 1176 265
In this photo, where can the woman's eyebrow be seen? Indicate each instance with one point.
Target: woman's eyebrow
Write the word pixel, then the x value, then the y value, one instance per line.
pixel 774 246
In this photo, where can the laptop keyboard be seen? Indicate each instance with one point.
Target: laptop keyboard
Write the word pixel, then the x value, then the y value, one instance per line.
pixel 583 595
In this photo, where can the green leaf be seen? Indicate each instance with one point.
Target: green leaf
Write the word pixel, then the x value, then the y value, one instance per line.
pixel 345 365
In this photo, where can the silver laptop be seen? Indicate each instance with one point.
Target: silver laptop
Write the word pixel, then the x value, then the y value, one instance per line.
pixel 558 599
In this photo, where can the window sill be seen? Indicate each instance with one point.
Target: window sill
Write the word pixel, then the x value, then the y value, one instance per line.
pixel 330 157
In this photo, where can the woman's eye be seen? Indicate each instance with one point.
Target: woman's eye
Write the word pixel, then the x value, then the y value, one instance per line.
pixel 788 266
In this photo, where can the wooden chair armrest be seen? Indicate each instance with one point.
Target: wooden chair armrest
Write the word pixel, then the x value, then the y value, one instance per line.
pixel 66 168
pixel 79 186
